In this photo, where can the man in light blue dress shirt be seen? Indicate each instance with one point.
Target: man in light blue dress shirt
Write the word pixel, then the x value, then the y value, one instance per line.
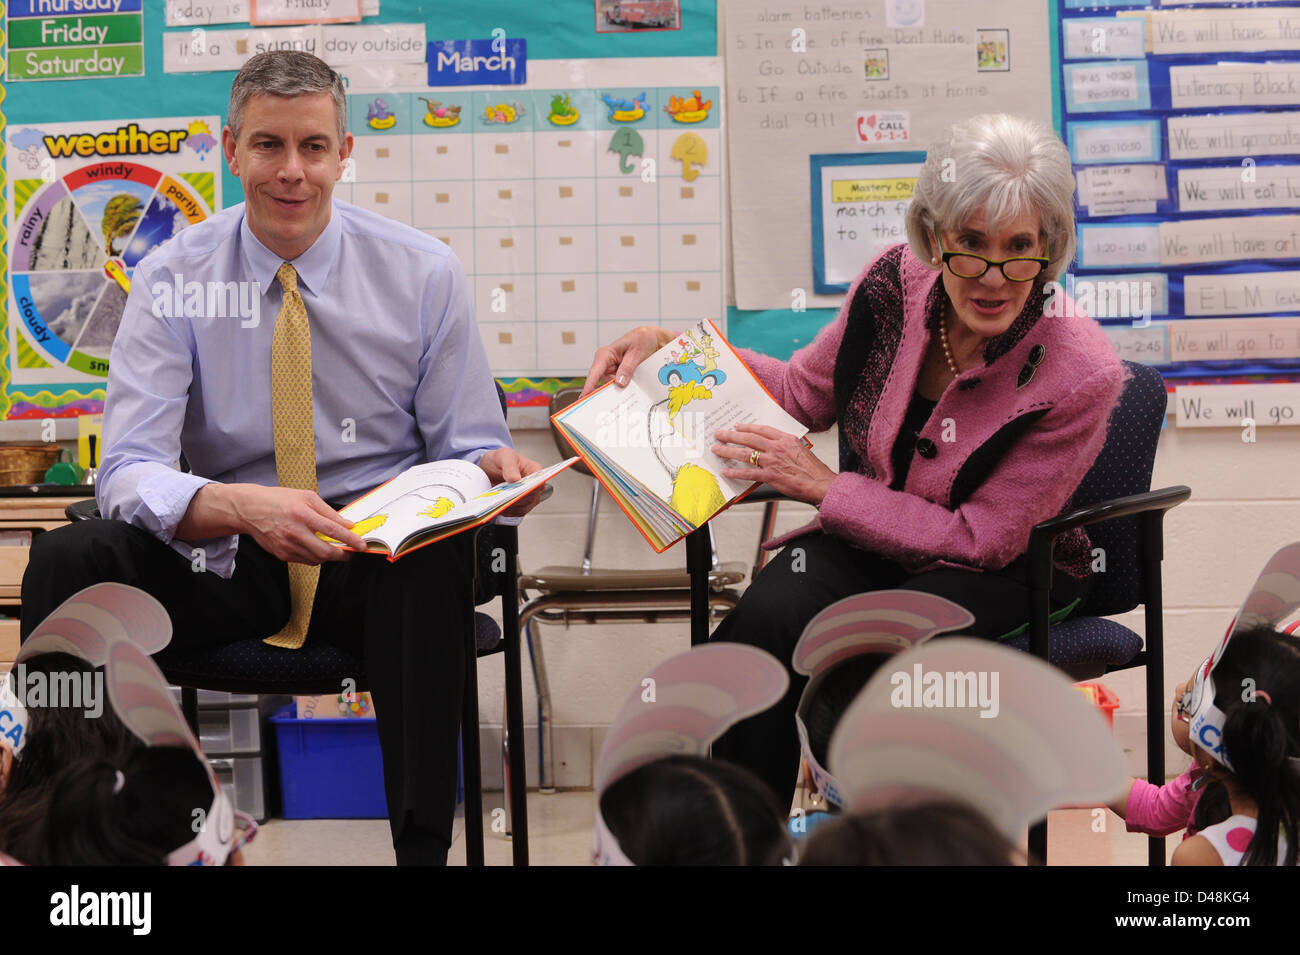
pixel 399 377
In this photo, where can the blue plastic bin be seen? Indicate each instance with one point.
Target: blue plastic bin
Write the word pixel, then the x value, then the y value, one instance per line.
pixel 332 769
pixel 329 769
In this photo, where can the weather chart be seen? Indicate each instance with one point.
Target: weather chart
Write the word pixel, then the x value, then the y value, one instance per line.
pixel 87 201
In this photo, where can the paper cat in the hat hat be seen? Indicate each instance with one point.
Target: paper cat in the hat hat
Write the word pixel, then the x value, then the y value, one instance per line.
pixel 83 626
pixel 920 732
pixel 697 695
pixel 118 627
pixel 1274 597
pixel 885 621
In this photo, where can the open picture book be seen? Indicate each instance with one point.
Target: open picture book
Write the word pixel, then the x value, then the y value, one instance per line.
pixel 431 502
pixel 650 444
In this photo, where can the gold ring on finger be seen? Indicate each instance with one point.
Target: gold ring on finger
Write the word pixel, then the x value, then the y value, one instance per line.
pixel 753 457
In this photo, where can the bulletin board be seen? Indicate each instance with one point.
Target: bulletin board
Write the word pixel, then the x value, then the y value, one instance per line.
pixel 140 76
pixel 1182 123
pixel 855 78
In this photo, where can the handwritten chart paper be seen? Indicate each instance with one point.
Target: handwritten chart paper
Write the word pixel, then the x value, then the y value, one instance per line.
pixel 1217 339
pixel 1147 346
pixel 1241 293
pixel 1229 239
pixel 803 80
pixel 1225 30
pixel 1228 406
pixel 1234 84
pixel 861 213
pixel 1251 186
pixel 1237 134
pixel 1106 246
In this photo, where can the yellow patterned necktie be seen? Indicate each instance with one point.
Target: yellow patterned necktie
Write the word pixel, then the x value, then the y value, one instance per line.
pixel 295 437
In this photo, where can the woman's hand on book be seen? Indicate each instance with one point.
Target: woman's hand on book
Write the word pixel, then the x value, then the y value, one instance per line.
pixel 620 358
pixel 784 462
pixel 508 465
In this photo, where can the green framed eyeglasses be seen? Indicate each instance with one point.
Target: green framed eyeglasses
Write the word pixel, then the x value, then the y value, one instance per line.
pixel 968 265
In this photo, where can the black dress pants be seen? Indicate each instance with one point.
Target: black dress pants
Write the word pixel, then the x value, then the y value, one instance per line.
pixel 809 575
pixel 407 620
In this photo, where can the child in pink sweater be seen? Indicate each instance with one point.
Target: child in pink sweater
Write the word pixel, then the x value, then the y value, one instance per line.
pixel 1162 810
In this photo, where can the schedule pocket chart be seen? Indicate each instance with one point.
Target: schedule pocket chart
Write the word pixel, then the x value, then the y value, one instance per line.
pixel 584 203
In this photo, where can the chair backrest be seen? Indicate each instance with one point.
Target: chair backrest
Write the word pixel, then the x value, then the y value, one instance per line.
pixel 1123 467
pixel 562 398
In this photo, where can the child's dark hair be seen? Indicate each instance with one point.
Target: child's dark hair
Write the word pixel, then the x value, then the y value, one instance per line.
pixel 838 688
pixel 164 796
pixel 941 833
pixel 688 810
pixel 1261 736
pixel 56 737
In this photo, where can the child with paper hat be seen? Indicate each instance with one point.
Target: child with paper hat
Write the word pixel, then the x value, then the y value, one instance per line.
pixel 117 627
pixel 1240 713
pixel 1161 810
pixel 842 647
pixel 994 730
pixel 53 709
pixel 659 799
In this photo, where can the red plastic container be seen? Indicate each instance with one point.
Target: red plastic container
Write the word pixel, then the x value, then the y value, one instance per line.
pixel 1100 696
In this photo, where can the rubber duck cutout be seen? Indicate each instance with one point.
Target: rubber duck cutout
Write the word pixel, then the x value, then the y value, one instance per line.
pixel 691 151
pixel 627 142
pixel 562 111
pixel 379 116
pixel 505 113
pixel 693 109
pixel 438 115
pixel 625 110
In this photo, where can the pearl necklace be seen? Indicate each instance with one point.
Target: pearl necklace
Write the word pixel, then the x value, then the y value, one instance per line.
pixel 947 352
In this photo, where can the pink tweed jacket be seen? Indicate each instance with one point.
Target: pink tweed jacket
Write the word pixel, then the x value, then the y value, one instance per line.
pixel 1025 445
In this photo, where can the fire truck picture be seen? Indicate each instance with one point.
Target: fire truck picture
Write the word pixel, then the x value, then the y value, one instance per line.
pixel 642 13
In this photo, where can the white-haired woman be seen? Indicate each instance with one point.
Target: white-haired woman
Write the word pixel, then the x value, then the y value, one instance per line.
pixel 966 416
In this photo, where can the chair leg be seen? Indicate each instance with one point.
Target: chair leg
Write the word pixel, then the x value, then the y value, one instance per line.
pixel 697 566
pixel 190 708
pixel 1038 843
pixel 471 757
pixel 545 729
pixel 505 765
pixel 518 782
pixel 1151 553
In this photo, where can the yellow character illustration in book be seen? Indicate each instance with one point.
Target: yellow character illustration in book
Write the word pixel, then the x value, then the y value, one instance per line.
pixel 439 508
pixel 691 374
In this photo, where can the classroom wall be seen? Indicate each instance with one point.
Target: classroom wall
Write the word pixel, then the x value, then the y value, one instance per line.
pixel 1243 507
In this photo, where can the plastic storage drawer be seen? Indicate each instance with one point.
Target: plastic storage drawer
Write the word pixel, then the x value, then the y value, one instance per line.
pixel 230 731
pixel 244 783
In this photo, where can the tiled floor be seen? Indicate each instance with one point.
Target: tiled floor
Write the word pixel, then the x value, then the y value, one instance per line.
pixel 560 834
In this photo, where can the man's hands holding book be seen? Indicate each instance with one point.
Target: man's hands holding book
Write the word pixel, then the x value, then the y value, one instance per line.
pixel 507 464
pixel 283 520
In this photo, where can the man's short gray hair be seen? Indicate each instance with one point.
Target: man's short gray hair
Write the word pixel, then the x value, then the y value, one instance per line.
pixel 1003 166
pixel 285 73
